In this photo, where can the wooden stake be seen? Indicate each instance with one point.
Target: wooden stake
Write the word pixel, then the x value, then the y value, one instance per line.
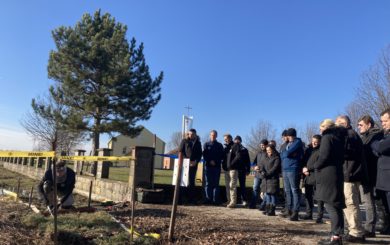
pixel 132 166
pixel 175 199
pixel 18 189
pixel 90 195
pixel 54 171
pixel 30 196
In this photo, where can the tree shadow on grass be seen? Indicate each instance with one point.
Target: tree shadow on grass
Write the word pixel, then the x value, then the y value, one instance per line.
pixel 71 238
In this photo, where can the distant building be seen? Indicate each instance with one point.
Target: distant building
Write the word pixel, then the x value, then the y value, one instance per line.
pixel 169 162
pixel 121 145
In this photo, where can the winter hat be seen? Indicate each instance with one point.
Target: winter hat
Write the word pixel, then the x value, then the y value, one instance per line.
pixel 238 138
pixel 284 132
pixel 291 132
pixel 264 142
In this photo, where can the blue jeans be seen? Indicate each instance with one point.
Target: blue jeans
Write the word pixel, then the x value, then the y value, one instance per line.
pixel 264 202
pixel 270 199
pixel 291 188
pixel 212 175
pixel 256 191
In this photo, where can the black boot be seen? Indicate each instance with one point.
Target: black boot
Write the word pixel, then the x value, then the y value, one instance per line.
pixel 271 210
pixel 294 216
pixel 307 216
pixel 386 225
pixel 319 220
pixel 285 213
pixel 266 209
pixel 262 206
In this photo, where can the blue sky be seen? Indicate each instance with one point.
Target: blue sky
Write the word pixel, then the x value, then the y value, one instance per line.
pixel 233 62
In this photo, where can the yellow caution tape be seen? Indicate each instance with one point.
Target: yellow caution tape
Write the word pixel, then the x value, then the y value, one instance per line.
pixel 135 233
pixel 69 158
pixel 27 153
pixel 154 235
pixel 95 158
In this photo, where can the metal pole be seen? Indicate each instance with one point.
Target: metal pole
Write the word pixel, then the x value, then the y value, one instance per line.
pixel 54 171
pixel 90 195
pixel 132 166
pixel 175 199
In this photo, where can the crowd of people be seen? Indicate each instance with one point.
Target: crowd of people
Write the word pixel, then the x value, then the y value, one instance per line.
pixel 339 169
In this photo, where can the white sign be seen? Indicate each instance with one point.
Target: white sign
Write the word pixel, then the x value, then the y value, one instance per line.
pixel 184 172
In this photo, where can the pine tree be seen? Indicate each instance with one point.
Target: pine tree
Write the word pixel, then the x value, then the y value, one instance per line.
pixel 102 77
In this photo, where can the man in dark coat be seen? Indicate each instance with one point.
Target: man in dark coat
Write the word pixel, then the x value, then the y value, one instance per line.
pixel 330 178
pixel 353 177
pixel 239 164
pixel 369 133
pixel 310 158
pixel 382 150
pixel 213 155
pixel 66 179
pixel 191 148
pixel 228 139
pixel 257 180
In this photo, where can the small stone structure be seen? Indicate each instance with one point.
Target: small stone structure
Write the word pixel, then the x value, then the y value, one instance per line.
pixel 103 189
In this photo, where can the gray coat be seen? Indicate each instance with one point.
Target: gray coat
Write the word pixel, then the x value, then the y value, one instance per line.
pixel 382 149
pixel 270 169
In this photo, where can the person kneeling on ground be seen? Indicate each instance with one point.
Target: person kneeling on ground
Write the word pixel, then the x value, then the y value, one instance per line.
pixel 66 179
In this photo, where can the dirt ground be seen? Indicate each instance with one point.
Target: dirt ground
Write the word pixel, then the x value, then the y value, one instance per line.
pixel 194 224
pixel 11 231
pixel 220 225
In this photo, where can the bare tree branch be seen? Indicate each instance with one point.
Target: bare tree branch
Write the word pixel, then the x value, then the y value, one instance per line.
pixel 310 129
pixel 373 94
pixel 175 141
pixel 262 130
pixel 43 124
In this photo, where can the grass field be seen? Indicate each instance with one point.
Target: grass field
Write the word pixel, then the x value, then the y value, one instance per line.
pixel 162 176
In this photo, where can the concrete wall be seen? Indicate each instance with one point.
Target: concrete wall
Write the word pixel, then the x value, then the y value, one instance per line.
pixel 141 174
pixel 102 189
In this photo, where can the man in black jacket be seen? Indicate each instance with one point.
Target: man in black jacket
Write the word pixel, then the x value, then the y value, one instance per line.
pixel 382 150
pixel 257 179
pixel 66 179
pixel 227 147
pixel 238 163
pixel 191 148
pixel 353 177
pixel 369 133
pixel 213 155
